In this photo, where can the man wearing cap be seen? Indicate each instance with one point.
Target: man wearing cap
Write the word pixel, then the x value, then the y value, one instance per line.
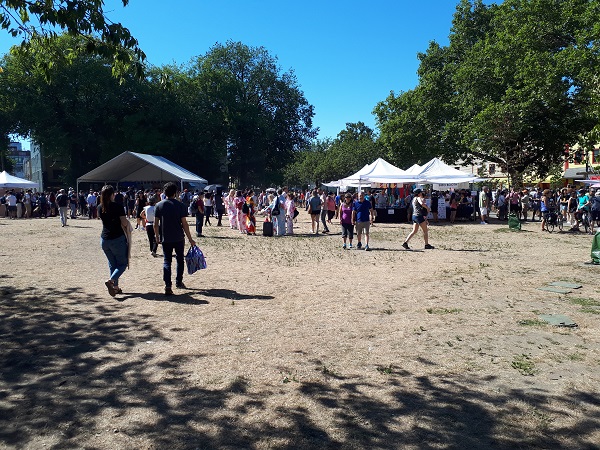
pixel 92 200
pixel 62 200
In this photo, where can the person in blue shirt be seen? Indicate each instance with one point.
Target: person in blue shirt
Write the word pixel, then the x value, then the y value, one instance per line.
pixel 362 212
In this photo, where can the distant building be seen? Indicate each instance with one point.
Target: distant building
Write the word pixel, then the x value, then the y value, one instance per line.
pixel 37 165
pixel 45 171
pixel 20 159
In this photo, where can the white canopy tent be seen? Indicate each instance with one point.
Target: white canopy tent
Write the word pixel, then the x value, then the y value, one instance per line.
pixel 438 172
pixel 8 181
pixel 139 167
pixel 379 171
pixel 414 169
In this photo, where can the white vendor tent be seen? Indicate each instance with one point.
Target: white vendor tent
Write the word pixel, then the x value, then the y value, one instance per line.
pixel 9 181
pixel 414 169
pixel 139 167
pixel 379 171
pixel 438 172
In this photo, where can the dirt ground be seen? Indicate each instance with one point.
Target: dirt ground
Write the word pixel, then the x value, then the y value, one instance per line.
pixel 293 342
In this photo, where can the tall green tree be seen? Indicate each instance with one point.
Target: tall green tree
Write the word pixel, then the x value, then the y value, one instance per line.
pixel 38 22
pixel 514 85
pixel 84 116
pixel 260 116
pixel 328 160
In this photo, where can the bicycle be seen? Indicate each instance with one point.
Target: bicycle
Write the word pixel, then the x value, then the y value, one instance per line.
pixel 552 220
pixel 585 221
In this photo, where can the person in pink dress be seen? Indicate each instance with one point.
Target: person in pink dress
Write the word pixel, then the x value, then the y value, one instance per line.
pixel 231 209
pixel 241 217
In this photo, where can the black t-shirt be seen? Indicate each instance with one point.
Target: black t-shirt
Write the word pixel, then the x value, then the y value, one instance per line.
pixel 119 198
pixel 111 221
pixel 62 200
pixel 170 212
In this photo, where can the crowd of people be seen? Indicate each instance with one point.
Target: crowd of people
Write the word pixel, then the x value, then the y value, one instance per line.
pixel 163 214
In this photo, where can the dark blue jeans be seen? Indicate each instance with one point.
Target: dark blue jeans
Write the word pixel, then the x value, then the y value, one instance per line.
pixel 116 253
pixel 168 248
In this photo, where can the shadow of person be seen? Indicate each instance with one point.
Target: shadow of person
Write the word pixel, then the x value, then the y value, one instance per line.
pixel 180 297
pixel 232 295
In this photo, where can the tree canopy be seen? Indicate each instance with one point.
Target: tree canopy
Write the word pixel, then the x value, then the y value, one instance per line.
pixel 328 160
pixel 259 116
pixel 38 22
pixel 230 109
pixel 517 82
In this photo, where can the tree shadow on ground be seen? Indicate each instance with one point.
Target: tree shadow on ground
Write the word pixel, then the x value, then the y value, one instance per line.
pixel 71 362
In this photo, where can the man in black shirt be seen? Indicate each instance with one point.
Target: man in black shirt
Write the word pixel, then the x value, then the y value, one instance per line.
pixel 170 222
pixel 62 200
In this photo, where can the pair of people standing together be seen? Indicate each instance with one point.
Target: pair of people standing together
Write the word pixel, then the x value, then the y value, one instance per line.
pixel 170 229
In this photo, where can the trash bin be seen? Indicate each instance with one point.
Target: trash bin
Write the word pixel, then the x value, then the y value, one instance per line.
pixel 513 222
pixel 596 248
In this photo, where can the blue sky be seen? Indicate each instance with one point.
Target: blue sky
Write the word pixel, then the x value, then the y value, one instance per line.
pixel 347 55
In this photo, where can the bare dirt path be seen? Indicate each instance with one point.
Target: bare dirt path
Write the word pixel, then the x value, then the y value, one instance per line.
pixel 293 342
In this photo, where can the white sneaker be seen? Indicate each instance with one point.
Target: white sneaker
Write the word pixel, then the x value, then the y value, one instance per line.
pixel 483 223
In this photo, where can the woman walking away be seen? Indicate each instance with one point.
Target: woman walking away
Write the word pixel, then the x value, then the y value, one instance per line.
pixel 115 229
pixel 148 216
pixel 345 215
pixel 419 218
pixel 140 202
pixel 314 209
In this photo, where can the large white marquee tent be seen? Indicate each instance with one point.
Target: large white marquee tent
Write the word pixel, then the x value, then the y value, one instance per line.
pixel 140 167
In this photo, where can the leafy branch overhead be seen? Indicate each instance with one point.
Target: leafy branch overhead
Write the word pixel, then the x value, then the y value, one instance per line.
pixel 516 83
pixel 39 22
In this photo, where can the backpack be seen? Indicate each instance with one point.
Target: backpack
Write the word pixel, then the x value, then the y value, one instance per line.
pixel 194 208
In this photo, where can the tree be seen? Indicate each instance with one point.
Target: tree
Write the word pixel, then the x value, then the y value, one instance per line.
pixel 260 116
pixel 514 85
pixel 38 22
pixel 328 160
pixel 84 116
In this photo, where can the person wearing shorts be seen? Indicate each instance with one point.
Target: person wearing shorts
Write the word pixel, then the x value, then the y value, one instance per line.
pixel 314 209
pixel 361 218
pixel 345 215
pixel 419 219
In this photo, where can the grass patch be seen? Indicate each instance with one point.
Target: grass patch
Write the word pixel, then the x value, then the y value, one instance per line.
pixel 524 365
pixel 532 322
pixel 386 370
pixel 576 356
pixel 443 310
pixel 584 301
pixel 590 310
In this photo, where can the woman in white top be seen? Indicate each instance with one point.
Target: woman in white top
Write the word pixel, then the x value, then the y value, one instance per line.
pixel 148 215
pixel 208 203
